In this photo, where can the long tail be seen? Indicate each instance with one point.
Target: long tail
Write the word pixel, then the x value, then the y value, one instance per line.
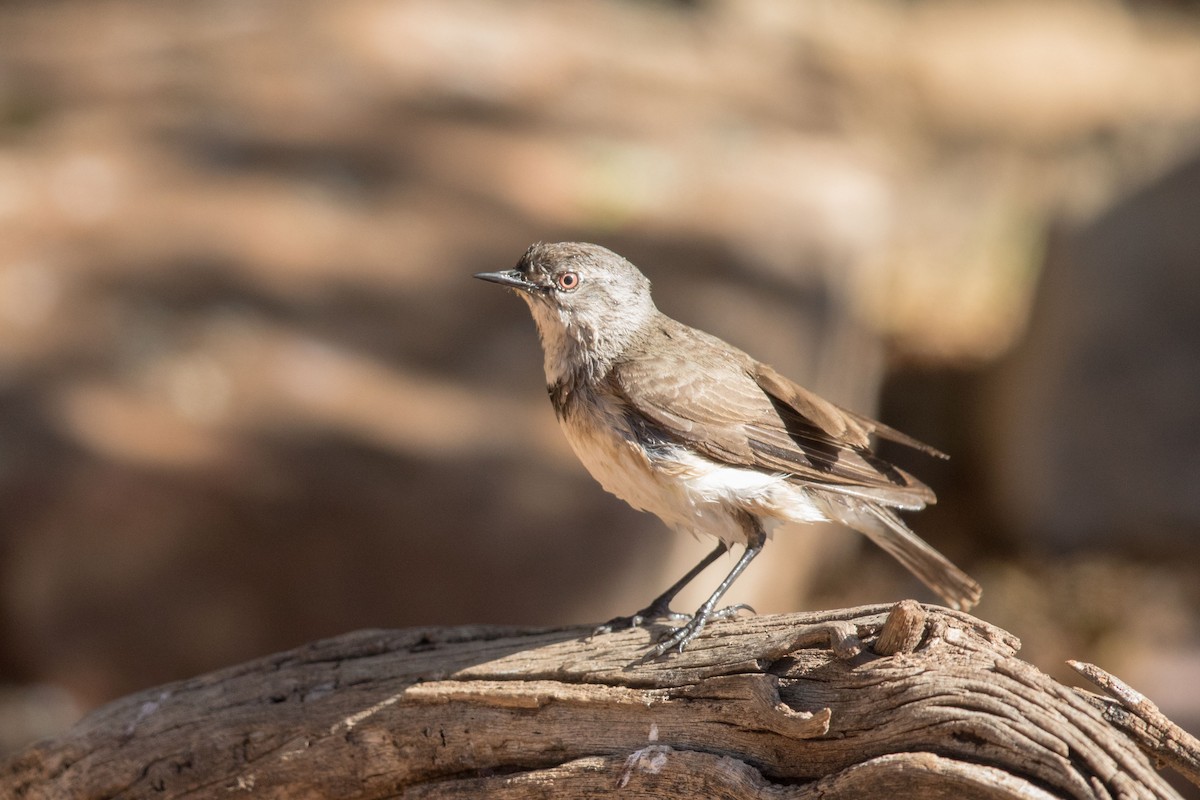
pixel 933 569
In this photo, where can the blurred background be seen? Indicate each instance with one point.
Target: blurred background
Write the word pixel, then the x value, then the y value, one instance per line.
pixel 249 396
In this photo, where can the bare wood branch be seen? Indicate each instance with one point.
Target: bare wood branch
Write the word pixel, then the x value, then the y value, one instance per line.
pixel 1138 716
pixel 915 700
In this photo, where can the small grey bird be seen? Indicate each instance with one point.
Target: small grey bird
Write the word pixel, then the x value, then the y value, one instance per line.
pixel 679 423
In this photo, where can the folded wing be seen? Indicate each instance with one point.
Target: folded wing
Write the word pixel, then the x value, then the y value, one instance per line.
pixel 732 409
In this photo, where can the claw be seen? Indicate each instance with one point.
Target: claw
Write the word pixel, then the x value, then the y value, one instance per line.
pixel 729 612
pixel 637 620
pixel 679 638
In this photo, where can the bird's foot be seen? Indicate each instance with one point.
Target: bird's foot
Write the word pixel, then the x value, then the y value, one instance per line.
pixel 639 619
pixel 729 612
pixel 678 638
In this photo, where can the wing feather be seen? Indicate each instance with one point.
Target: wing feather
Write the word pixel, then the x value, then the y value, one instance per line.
pixel 722 403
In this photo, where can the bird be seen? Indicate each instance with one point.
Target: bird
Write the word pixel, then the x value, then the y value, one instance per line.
pixel 679 423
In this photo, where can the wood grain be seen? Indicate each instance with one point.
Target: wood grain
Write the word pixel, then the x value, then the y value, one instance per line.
pixel 792 706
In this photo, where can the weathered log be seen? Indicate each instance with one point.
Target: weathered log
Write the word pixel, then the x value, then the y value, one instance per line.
pixel 924 702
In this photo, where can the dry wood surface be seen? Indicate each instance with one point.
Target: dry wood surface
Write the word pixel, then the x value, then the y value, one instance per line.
pixel 909 699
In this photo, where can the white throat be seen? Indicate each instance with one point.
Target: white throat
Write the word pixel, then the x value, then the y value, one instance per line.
pixel 562 353
pixel 587 340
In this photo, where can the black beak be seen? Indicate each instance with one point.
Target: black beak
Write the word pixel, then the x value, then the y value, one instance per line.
pixel 509 277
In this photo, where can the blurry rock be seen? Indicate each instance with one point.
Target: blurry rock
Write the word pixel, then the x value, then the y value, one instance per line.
pixel 1096 417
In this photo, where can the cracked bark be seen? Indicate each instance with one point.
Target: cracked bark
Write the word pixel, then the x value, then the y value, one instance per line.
pixel 913 699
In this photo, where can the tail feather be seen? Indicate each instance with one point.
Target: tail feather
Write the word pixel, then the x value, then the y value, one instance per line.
pixel 887 530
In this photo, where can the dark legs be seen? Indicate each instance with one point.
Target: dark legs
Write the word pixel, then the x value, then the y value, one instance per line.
pixel 661 605
pixel 679 638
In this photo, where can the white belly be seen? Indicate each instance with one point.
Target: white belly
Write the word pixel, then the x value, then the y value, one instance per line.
pixel 688 492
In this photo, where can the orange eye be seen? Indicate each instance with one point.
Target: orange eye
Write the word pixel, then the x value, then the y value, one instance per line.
pixel 567 281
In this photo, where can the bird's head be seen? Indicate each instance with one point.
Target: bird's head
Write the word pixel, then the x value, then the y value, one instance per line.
pixel 588 302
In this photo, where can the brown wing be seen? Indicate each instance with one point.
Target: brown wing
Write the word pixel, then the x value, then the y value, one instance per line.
pixel 858 426
pixel 730 408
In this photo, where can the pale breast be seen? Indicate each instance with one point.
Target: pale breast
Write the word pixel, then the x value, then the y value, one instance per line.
pixel 607 448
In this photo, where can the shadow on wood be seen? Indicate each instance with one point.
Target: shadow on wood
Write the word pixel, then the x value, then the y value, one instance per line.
pixel 912 699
